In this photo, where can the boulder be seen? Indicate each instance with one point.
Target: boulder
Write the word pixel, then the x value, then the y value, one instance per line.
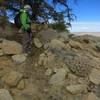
pixel 76 89
pixel 0 45
pixel 5 95
pixel 65 36
pixel 67 47
pixel 1 39
pixel 92 96
pixel 13 78
pixel 95 76
pixel 18 59
pixel 48 72
pixel 47 35
pixel 1 52
pixel 11 47
pixel 98 46
pixel 46 45
pixel 38 43
pixel 58 77
pixel 75 44
pixel 21 85
pixel 46 59
pixel 56 44
pixel 42 59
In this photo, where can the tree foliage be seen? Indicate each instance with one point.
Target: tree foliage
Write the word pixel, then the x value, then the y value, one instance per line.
pixel 43 10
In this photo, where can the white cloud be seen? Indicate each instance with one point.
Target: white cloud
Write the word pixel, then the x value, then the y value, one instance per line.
pixel 85 27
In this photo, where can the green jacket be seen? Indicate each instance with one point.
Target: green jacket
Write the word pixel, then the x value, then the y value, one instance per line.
pixel 25 20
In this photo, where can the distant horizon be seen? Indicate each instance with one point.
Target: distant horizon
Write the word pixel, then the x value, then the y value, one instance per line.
pixel 87 33
pixel 85 27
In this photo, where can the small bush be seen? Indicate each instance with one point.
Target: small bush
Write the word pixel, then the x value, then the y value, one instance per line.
pixel 60 27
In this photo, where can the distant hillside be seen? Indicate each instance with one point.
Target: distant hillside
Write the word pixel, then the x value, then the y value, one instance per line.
pixel 89 33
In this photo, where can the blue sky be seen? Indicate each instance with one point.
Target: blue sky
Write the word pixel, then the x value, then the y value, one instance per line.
pixel 88 16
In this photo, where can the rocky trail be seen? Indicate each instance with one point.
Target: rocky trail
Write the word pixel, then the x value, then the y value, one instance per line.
pixel 61 67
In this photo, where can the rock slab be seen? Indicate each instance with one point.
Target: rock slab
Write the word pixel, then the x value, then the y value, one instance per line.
pixel 1 52
pixel 92 96
pixel 12 78
pixel 37 43
pixel 0 45
pixel 5 95
pixel 58 77
pixel 95 76
pixel 76 89
pixel 19 58
pixel 56 44
pixel 11 47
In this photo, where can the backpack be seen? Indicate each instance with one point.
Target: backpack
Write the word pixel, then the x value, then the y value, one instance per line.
pixel 17 20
